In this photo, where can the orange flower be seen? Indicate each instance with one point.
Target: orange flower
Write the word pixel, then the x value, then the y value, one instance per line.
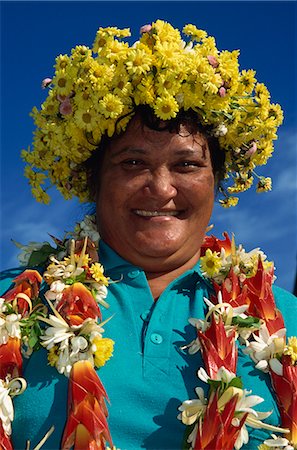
pixel 77 304
pixel 231 291
pixel 285 388
pixel 86 425
pixel 5 442
pixel 11 359
pixel 216 245
pixel 261 300
pixel 218 349
pixel 217 432
pixel 27 283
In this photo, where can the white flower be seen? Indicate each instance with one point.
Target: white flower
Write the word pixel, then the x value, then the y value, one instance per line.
pixel 276 366
pixel 191 410
pixel 64 363
pixel 9 327
pixel 225 310
pixel 220 130
pixel 87 227
pixel 265 346
pixel 6 408
pixel 13 325
pixel 56 291
pixel 3 331
pixel 278 443
pixel 78 343
pixel 27 251
pixel 58 332
pixel 3 307
pixel 100 294
pixel 223 375
pixel 195 345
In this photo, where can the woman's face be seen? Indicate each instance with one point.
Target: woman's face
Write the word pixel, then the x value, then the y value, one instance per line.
pixel 155 196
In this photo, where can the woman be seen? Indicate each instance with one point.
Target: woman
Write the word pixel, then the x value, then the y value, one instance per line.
pixel 153 178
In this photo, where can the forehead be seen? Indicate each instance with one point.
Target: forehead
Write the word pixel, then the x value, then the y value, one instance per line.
pixel 139 136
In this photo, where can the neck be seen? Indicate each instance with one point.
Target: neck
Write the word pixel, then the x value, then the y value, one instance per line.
pixel 158 281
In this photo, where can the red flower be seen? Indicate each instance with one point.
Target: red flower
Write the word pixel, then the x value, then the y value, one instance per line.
pixel 86 426
pixel 217 432
pixel 77 304
pixel 28 283
pixel 261 300
pixel 217 348
pixel 285 387
pixel 231 291
pixel 5 442
pixel 215 244
pixel 11 360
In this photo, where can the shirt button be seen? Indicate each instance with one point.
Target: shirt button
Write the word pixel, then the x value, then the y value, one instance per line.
pixel 133 273
pixel 145 315
pixel 156 338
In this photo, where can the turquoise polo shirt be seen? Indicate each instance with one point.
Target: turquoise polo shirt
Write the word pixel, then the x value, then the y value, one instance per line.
pixel 149 376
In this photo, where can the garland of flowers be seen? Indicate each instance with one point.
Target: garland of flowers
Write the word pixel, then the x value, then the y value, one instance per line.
pixel 94 92
pixel 243 309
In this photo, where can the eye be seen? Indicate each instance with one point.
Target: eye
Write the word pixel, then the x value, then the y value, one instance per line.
pixel 187 166
pixel 132 163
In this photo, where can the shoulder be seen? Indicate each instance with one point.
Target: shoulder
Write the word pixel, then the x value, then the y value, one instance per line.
pixel 287 304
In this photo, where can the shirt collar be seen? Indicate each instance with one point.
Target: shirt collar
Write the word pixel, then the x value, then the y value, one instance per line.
pixel 112 261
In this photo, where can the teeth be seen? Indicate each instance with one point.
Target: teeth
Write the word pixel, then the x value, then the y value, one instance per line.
pixel 141 212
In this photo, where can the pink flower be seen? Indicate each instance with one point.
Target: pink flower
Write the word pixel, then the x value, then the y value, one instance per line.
pixel 145 28
pixel 65 107
pixel 46 82
pixel 213 61
pixel 222 91
pixel 62 98
pixel 252 149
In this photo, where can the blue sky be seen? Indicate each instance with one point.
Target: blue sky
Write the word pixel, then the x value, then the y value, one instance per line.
pixel 34 33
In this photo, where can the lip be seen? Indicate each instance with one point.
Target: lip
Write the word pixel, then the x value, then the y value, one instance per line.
pixel 156 213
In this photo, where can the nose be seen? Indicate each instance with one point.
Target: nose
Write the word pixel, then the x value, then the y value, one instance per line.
pixel 160 185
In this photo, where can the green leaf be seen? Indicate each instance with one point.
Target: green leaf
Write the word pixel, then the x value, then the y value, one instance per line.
pixel 247 322
pixel 236 382
pixel 32 340
pixel 40 257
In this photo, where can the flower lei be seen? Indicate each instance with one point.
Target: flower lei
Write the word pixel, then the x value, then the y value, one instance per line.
pixel 94 93
pixel 242 309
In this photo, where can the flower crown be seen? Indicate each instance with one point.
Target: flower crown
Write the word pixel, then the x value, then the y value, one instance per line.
pixel 94 93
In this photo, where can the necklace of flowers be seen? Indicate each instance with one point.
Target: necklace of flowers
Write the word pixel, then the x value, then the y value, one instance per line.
pixel 243 309
pixel 72 332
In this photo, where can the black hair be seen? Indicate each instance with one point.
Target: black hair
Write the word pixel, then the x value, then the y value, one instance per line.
pixel 190 119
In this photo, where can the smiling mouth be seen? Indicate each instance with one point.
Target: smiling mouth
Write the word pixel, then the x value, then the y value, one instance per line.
pixel 145 213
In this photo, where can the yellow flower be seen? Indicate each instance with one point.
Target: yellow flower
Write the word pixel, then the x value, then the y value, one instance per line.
pixel 194 32
pixel 166 107
pixel 264 447
pixel 40 195
pixel 85 260
pixel 63 84
pixel 111 106
pixel 160 70
pixel 139 61
pixel 229 201
pixel 86 119
pixel 241 184
pixel 97 271
pixel 102 349
pixel 53 356
pixel 62 61
pixel 264 184
pixel 291 349
pixel 210 263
